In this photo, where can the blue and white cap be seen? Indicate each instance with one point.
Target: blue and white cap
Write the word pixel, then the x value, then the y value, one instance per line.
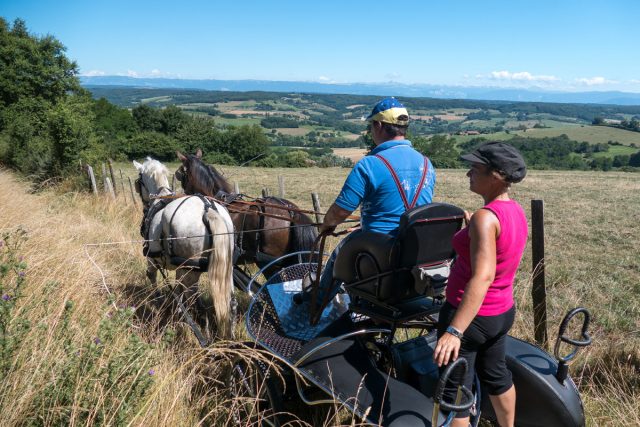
pixel 389 110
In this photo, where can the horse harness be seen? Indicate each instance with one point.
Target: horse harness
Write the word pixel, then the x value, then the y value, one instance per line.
pixel 258 206
pixel 156 207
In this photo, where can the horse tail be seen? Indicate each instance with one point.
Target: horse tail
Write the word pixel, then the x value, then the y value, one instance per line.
pixel 220 272
pixel 302 236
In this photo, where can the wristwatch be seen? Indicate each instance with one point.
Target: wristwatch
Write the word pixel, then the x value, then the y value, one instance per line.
pixel 454 331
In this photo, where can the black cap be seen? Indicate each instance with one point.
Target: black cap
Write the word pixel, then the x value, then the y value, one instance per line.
pixel 499 156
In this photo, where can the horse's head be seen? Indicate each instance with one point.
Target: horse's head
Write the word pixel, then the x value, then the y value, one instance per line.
pixel 152 180
pixel 198 177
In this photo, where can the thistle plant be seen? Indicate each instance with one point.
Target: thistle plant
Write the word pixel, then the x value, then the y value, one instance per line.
pixel 12 279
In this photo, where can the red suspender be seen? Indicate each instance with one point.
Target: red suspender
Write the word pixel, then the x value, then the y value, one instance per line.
pixel 407 206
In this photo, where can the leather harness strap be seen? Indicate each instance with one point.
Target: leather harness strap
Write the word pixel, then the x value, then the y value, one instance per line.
pixel 407 206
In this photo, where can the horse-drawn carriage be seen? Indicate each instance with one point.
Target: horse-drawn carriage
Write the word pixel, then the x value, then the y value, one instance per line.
pixel 370 348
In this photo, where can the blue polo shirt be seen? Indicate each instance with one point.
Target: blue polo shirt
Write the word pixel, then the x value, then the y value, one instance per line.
pixel 371 185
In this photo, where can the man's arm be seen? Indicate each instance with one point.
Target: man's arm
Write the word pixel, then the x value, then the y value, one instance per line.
pixel 334 216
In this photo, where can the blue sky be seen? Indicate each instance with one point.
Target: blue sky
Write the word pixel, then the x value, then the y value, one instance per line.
pixel 565 45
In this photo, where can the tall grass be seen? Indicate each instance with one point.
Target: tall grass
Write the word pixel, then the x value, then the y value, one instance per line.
pixel 89 346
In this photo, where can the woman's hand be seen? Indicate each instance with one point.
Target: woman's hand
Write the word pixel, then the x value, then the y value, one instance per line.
pixel 447 349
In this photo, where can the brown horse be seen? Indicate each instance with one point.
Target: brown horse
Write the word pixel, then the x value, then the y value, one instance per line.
pixel 266 228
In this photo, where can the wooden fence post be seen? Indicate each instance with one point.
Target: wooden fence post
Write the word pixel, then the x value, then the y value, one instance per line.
pixel 281 185
pixel 108 187
pixel 173 182
pixel 104 177
pixel 265 192
pixel 133 197
pixel 124 194
pixel 316 207
pixel 113 177
pixel 92 178
pixel 236 188
pixel 538 291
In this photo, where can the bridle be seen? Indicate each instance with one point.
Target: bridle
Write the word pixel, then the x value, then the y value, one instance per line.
pixel 139 184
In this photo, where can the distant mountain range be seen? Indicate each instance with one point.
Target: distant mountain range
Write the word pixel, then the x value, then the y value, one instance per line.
pixel 380 89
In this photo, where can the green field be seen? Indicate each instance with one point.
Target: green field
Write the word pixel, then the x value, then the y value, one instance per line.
pixel 588 133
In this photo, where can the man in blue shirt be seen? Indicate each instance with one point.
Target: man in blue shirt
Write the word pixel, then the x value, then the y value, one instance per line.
pixel 393 178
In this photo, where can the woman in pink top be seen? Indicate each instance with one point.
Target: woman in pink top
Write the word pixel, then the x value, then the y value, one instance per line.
pixel 479 310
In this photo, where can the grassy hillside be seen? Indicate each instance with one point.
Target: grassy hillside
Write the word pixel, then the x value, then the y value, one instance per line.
pixel 83 355
pixel 576 132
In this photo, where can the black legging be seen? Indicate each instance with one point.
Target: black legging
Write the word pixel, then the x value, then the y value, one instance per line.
pixel 483 345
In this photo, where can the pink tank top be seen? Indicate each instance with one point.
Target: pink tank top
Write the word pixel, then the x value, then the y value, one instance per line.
pixel 509 249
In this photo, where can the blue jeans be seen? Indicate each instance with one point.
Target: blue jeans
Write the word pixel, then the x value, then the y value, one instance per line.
pixel 327 283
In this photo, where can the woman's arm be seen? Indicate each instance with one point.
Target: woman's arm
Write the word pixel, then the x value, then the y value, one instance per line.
pixel 483 231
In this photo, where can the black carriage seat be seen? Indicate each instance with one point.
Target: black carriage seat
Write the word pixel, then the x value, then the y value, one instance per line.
pixel 390 272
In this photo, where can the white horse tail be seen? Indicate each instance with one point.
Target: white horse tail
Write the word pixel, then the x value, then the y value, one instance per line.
pixel 220 272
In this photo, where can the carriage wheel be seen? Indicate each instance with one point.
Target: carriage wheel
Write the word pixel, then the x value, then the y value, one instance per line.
pixel 257 400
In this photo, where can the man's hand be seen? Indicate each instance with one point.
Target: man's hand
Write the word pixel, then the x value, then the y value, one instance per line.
pixel 326 229
pixel 334 216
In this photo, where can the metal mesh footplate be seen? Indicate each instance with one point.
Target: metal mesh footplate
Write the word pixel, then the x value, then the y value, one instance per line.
pixel 278 323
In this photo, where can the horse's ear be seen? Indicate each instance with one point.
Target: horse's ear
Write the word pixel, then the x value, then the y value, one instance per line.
pixel 181 156
pixel 199 153
pixel 137 165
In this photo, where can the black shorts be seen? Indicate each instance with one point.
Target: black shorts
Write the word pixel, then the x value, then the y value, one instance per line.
pixel 483 345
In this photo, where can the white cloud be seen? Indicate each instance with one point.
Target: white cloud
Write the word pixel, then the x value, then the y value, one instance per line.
pixel 155 72
pixel 635 81
pixel 93 73
pixel 324 79
pixel 132 73
pixel 392 76
pixel 522 76
pixel 594 81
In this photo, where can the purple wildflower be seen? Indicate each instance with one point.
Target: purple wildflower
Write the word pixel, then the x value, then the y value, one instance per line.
pixel 152 372
pixel 1 243
pixel 20 258
pixel 6 297
pixel 97 341
pixel 22 274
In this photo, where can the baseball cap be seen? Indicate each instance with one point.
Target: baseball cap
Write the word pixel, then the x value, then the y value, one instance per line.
pixel 389 110
pixel 501 157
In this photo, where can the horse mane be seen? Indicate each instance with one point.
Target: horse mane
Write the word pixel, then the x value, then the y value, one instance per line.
pixel 209 179
pixel 157 171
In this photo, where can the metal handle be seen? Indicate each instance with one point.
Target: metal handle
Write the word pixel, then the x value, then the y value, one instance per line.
pixel 467 401
pixel 585 337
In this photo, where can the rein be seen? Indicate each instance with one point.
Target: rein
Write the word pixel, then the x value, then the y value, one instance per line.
pixel 255 202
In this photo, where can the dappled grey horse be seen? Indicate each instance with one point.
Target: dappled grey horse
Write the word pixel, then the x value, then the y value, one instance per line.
pixel 189 234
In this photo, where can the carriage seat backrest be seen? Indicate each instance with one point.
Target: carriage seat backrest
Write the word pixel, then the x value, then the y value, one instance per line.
pixel 423 240
pixel 424 243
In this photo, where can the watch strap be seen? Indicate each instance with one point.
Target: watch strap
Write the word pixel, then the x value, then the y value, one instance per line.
pixel 454 331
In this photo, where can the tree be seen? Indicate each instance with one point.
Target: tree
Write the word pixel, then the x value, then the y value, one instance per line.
pixel 155 144
pixel 171 119
pixel 199 133
pixel 33 67
pixel 148 119
pixel 245 142
pixel 634 159
pixel 440 149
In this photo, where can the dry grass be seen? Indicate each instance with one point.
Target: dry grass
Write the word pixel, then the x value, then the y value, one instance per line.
pixel 592 246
